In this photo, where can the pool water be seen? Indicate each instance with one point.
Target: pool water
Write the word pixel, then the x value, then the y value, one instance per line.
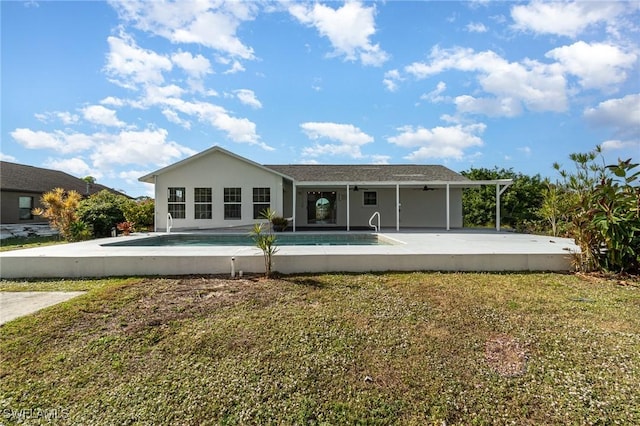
pixel 289 239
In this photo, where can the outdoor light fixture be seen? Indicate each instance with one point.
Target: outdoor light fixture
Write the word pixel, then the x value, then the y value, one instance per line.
pixel 355 188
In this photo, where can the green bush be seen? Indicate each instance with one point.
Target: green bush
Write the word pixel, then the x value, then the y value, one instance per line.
pixel 102 211
pixel 141 212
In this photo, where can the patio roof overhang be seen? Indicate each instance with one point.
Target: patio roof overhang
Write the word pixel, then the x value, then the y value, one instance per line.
pixel 501 186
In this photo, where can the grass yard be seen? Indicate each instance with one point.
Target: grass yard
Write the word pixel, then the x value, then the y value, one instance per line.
pixel 414 348
pixel 16 243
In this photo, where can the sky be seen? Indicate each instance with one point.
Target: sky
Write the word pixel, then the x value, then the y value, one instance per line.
pixel 118 89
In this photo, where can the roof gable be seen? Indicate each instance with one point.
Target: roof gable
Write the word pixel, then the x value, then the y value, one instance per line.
pixel 22 178
pixel 149 178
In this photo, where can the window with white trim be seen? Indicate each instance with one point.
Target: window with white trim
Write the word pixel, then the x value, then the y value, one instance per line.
pixel 261 201
pixel 233 203
pixel 370 198
pixel 202 200
pixel 177 202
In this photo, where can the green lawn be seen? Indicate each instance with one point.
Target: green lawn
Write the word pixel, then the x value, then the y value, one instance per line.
pixel 16 243
pixel 415 348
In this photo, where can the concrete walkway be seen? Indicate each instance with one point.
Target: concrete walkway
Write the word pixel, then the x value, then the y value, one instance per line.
pixel 20 303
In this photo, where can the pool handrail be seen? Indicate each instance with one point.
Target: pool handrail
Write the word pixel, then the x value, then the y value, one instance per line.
pixel 376 228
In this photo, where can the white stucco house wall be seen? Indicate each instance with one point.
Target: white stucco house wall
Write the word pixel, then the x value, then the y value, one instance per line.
pixel 219 189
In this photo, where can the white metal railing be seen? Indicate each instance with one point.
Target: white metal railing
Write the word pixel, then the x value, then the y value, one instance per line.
pixel 376 228
pixel 169 222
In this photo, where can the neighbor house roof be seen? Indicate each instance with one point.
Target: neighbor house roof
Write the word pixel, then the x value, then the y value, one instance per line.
pixel 355 173
pixel 22 178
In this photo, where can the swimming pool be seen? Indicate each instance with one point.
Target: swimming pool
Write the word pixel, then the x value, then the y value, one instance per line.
pixel 288 239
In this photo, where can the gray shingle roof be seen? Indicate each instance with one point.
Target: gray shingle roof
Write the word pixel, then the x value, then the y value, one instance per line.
pixel 19 177
pixel 368 173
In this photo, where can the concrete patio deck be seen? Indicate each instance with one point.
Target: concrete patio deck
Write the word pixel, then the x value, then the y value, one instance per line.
pixel 432 250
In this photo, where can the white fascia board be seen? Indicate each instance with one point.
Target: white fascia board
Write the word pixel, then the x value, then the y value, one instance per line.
pixel 149 178
pixel 443 183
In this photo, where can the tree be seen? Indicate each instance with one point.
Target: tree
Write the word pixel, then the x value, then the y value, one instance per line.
pixel 60 209
pixel 102 211
pixel 520 203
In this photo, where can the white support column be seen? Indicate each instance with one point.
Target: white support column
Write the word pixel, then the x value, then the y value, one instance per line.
pixel 295 206
pixel 348 213
pixel 397 207
pixel 448 210
pixel 498 207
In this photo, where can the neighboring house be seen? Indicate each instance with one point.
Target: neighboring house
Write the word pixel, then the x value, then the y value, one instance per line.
pixel 21 187
pixel 217 188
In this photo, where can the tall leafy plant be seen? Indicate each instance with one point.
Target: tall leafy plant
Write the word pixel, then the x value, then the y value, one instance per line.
pixel 601 211
pixel 59 207
pixel 616 217
pixel 265 239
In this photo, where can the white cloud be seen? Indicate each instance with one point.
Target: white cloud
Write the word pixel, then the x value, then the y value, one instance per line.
pixel 492 107
pixel 112 101
pixel 75 166
pixel 146 147
pixel 65 117
pixel 236 67
pixel 195 66
pixel 7 157
pixel 380 159
pixel 349 139
pixel 130 65
pixel 173 117
pixel 57 140
pixel 439 142
pixel 597 65
pixel 622 115
pixel 564 18
pixel 476 27
pixel 539 87
pixel 167 98
pixel 212 24
pixel 98 114
pixel 435 95
pixel 618 145
pixel 348 28
pixel 248 97
pixel 391 79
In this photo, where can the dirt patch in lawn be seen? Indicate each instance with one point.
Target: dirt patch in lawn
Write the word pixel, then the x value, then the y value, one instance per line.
pixel 158 302
pixel 505 355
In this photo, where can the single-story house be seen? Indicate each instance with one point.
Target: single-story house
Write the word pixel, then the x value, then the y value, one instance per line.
pixel 21 187
pixel 217 189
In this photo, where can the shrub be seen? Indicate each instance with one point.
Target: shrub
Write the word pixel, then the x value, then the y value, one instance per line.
pixel 141 212
pixel 102 211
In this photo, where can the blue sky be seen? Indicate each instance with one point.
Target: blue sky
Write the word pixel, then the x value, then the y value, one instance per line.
pixel 116 90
